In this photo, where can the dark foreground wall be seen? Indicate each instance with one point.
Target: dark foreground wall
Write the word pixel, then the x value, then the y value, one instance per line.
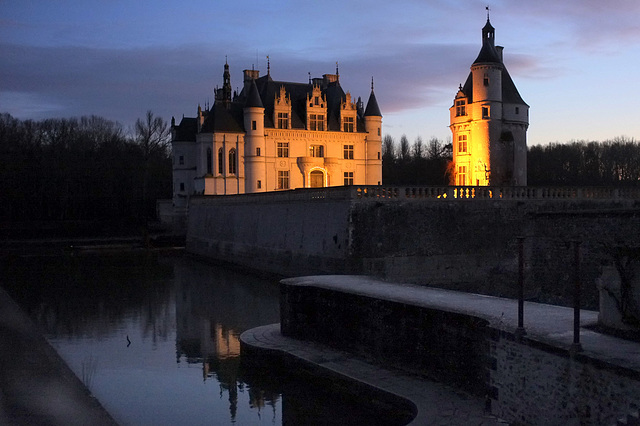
pixel 462 340
pixel 451 347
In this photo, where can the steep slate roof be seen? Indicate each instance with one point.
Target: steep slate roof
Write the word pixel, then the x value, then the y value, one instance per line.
pixel 223 119
pixel 262 93
pixel 253 98
pixel 372 106
pixel 186 130
pixel 489 54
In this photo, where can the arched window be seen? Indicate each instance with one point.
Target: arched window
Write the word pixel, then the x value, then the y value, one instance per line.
pixel 220 161
pixel 209 161
pixel 233 168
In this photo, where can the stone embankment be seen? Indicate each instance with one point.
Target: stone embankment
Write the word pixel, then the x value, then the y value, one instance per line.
pixel 36 386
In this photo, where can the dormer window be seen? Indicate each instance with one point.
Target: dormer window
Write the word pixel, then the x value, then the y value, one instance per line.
pixel 316 111
pixel 283 120
pixel 316 122
pixel 461 107
pixel 348 111
pixel 282 110
pixel 348 124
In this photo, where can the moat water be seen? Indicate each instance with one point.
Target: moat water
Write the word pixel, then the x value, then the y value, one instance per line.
pixel 155 338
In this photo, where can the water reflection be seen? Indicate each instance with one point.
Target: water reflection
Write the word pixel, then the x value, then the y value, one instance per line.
pixel 183 319
pixel 212 310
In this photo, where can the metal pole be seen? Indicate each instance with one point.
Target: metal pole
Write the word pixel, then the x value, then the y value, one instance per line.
pixel 520 330
pixel 576 346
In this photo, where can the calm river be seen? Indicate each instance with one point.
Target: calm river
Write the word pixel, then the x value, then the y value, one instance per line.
pixel 155 339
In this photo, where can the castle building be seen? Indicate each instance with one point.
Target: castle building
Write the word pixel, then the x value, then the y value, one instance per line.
pixel 277 135
pixel 489 122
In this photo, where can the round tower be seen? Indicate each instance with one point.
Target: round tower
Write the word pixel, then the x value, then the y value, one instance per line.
pixel 254 142
pixel 373 126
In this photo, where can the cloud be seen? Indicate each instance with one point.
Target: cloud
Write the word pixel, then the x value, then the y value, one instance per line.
pixel 123 84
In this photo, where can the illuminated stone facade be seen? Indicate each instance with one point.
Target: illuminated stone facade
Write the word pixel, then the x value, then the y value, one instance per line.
pixel 277 135
pixel 489 122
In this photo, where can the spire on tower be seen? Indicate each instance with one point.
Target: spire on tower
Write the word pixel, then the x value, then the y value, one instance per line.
pixel 268 66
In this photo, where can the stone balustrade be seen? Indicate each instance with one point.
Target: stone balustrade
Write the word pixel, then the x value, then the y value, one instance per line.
pixel 405 193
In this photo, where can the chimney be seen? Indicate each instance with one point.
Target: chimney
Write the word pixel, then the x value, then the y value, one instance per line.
pixel 500 49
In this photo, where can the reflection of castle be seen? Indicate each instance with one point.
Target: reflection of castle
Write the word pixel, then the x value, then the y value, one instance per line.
pixel 276 135
pixel 213 306
pixel 489 122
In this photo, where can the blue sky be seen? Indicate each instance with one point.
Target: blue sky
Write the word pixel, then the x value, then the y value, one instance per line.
pixel 573 61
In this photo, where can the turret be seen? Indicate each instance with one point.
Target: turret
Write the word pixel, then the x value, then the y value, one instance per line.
pixel 487 69
pixel 373 126
pixel 254 141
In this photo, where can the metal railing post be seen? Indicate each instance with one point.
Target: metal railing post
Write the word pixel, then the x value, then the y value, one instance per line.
pixel 520 331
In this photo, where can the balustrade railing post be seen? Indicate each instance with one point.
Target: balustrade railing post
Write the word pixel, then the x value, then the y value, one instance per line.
pixel 520 331
pixel 576 346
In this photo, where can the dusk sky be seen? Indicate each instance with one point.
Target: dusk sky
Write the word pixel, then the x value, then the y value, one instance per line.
pixel 575 62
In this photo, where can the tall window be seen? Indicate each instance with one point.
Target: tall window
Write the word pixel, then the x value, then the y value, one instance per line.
pixel 348 178
pixel 258 151
pixel 282 149
pixel 316 122
pixel 485 112
pixel 348 152
pixel 181 160
pixel 348 124
pixel 462 143
pixel 283 179
pixel 283 120
pixel 254 125
pixel 233 161
pixel 486 80
pixel 316 151
pixel 461 107
pixel 220 161
pixel 209 161
pixel 462 175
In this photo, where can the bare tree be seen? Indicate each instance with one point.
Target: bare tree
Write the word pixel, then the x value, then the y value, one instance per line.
pixel 418 149
pixel 405 151
pixel 152 134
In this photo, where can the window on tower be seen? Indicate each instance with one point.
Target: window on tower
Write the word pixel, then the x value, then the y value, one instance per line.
pixel 486 80
pixel 485 112
pixel 462 175
pixel 462 143
pixel 461 107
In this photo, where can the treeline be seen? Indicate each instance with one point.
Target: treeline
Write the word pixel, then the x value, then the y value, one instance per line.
pixel 614 162
pixel 610 163
pixel 85 169
pixel 415 164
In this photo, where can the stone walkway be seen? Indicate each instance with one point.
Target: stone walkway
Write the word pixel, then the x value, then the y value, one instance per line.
pixel 36 386
pixel 435 403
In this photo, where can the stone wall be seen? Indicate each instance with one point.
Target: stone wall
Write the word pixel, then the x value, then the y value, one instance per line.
pixel 448 346
pixel 530 385
pixel 527 381
pixel 458 238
